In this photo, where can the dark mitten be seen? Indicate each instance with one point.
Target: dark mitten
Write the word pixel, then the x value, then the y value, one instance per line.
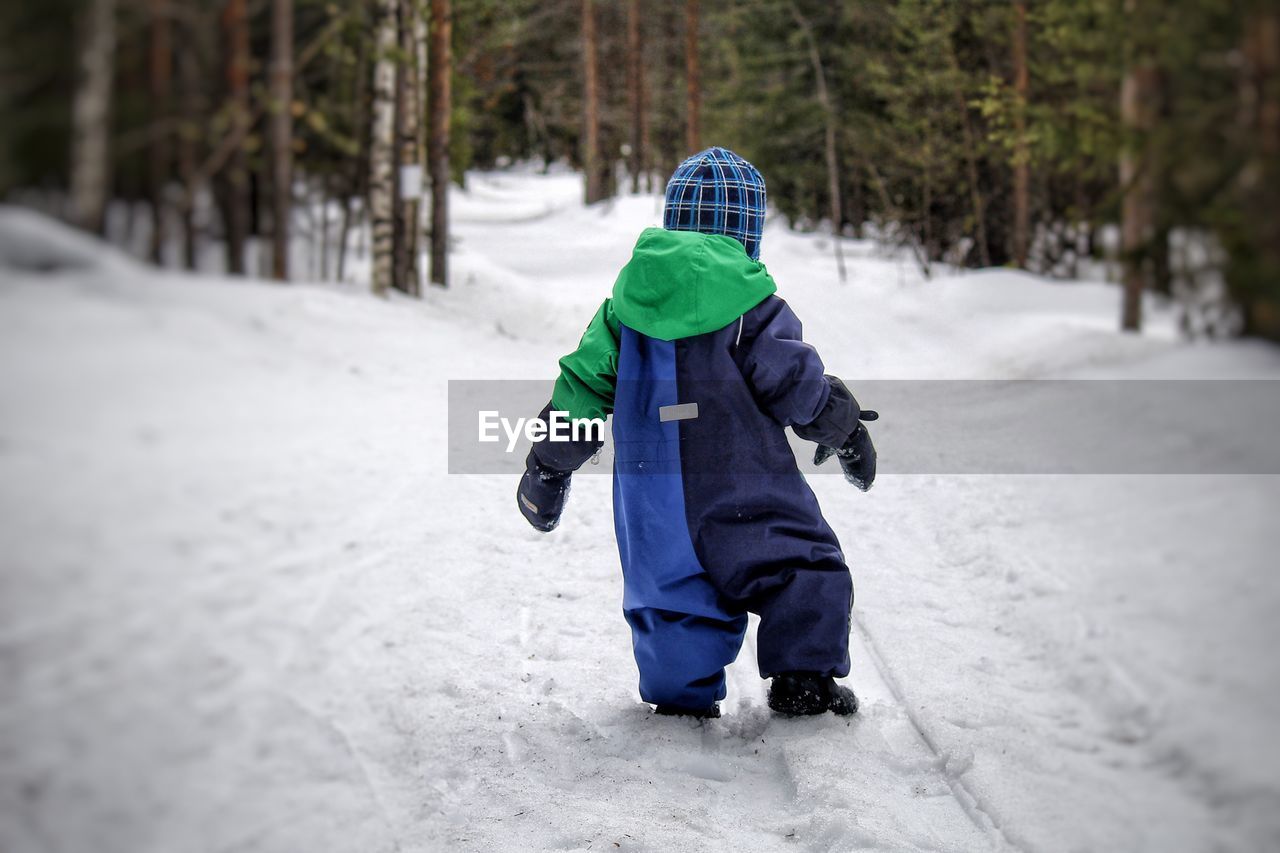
pixel 544 487
pixel 857 457
pixel 542 494
pixel 838 418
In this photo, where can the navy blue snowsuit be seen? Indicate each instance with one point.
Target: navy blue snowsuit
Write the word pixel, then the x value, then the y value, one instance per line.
pixel 702 368
pixel 713 517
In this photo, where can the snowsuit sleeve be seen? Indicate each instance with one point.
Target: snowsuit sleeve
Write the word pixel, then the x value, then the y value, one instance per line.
pixel 589 374
pixel 787 377
pixel 584 389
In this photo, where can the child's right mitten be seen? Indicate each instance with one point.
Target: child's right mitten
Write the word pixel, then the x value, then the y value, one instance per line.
pixel 544 486
pixel 542 494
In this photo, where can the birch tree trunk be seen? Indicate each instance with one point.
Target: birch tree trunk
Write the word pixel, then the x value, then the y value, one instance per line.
pixel 421 56
pixel 91 118
pixel 281 84
pixel 236 205
pixel 692 79
pixel 382 140
pixel 1021 154
pixel 440 71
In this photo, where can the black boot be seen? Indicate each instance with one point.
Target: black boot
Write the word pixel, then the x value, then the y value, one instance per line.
pixel 712 713
pixel 798 694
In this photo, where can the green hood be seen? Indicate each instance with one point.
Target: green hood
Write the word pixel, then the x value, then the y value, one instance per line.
pixel 682 283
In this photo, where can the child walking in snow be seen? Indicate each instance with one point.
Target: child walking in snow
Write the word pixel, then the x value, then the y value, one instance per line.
pixel 703 368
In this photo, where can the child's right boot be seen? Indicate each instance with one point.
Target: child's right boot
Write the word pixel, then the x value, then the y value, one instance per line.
pixel 797 694
pixel 709 713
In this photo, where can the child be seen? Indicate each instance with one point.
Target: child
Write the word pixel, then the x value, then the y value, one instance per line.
pixel 702 368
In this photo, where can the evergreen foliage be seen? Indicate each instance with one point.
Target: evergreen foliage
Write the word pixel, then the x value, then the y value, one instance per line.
pixel 929 123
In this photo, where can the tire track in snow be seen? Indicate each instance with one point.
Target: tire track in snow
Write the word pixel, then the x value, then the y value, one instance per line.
pixel 964 796
pixel 870 780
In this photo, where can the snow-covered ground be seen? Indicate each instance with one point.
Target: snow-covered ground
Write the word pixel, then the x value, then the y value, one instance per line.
pixel 245 608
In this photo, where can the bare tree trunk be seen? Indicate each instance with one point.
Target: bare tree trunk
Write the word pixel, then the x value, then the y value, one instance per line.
pixel 397 195
pixel 410 171
pixel 1137 180
pixel 344 234
pixel 1082 225
pixel 668 152
pixel 692 79
pixel 971 160
pixel 896 213
pixel 440 72
pixel 926 201
pixel 590 105
pixel 236 204
pixel 1021 154
pixel 91 118
pixel 829 142
pixel 160 86
pixel 356 183
pixel 646 147
pixel 381 191
pixel 1264 60
pixel 281 84
pixel 193 106
pixel 858 206
pixel 638 99
pixel 1260 117
pixel 323 183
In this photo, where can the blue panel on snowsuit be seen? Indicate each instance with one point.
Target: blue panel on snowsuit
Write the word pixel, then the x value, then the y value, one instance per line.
pixel 659 566
pixel 682 633
pixel 681 658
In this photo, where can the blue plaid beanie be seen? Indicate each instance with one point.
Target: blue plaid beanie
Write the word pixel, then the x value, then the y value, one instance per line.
pixel 717 192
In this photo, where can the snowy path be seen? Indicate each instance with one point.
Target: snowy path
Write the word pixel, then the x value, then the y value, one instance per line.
pixel 560 756
pixel 244 608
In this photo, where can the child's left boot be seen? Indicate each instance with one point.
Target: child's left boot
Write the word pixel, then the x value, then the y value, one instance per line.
pixel 798 694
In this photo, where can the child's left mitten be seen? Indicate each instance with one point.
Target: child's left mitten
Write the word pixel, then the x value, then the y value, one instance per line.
pixel 857 457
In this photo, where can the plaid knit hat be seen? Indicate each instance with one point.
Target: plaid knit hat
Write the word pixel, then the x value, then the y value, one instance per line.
pixel 717 192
